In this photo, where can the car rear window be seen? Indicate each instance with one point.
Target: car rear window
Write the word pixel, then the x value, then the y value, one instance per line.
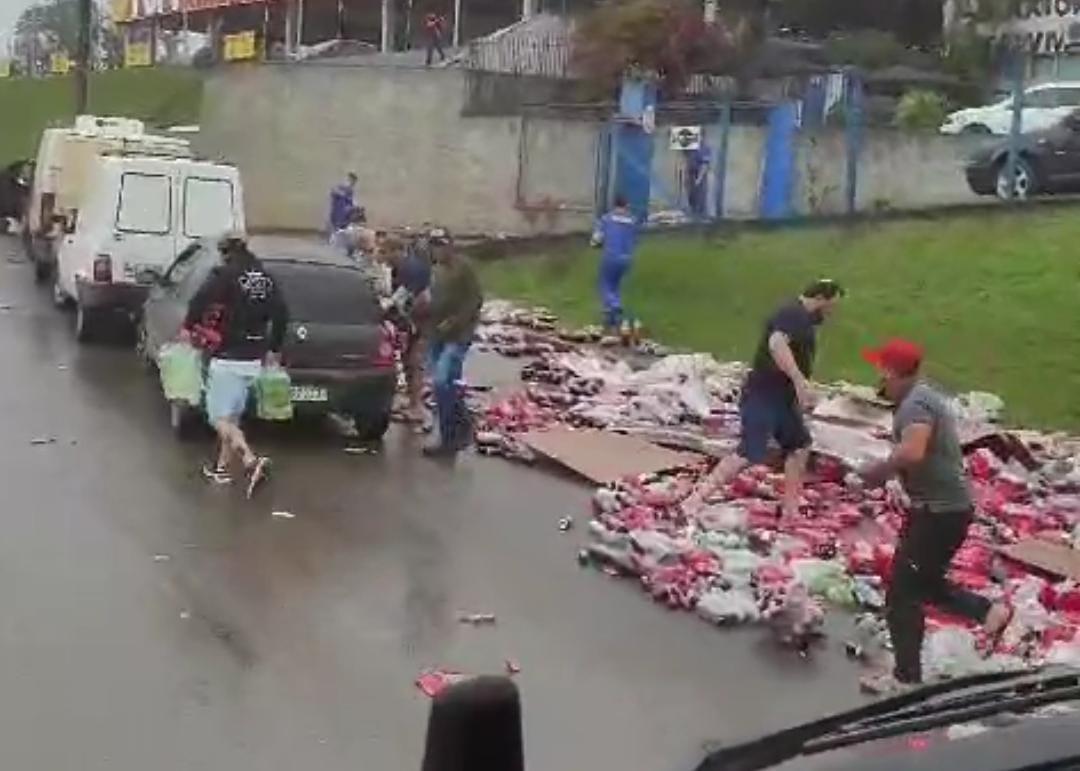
pixel 325 294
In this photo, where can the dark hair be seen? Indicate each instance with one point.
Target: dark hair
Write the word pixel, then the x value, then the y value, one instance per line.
pixel 823 289
pixel 621 202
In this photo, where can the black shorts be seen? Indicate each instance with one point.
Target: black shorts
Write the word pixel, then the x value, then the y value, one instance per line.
pixel 766 416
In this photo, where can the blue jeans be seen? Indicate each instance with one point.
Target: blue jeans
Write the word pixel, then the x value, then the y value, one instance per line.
pixel 612 273
pixel 447 362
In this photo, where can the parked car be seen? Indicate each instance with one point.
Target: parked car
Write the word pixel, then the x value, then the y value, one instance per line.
pixel 1049 162
pixel 1043 106
pixel 1000 721
pixel 139 212
pixel 14 191
pixel 338 350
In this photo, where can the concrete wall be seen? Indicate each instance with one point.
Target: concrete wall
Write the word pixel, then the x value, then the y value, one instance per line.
pixel 294 130
pixel 897 170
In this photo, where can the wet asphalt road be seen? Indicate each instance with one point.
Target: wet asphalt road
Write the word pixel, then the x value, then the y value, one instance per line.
pixel 265 643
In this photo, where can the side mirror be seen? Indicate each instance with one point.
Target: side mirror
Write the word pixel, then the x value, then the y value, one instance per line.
pixel 152 275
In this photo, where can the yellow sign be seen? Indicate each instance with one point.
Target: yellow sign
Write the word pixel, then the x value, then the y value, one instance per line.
pixel 137 55
pixel 122 10
pixel 59 63
pixel 240 47
pixel 5 68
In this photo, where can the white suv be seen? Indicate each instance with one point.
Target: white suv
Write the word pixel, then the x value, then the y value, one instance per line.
pixel 1044 105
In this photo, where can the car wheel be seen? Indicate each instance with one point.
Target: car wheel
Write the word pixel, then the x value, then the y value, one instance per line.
pixel 371 428
pixel 87 323
pixel 977 129
pixel 1025 183
pixel 183 420
pixel 42 271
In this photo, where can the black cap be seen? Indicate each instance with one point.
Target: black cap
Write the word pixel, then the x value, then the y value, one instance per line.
pixel 824 289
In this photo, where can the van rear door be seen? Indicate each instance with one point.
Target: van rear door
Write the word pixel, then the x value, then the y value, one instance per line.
pixel 143 235
pixel 211 202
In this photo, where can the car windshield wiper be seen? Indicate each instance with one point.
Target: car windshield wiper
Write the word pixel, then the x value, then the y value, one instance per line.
pixel 944 703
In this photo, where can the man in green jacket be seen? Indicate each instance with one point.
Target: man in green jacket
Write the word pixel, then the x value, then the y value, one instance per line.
pixel 456 299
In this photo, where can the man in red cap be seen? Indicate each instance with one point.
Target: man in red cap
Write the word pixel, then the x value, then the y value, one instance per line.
pixel 929 462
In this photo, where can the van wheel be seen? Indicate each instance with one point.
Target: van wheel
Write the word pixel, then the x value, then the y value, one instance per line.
pixel 60 300
pixel 183 420
pixel 42 271
pixel 87 323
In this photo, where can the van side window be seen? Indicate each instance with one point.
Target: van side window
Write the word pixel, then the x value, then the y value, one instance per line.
pixel 208 207
pixel 145 204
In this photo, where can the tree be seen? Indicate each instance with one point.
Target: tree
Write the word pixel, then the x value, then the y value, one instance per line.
pixel 57 21
pixel 665 38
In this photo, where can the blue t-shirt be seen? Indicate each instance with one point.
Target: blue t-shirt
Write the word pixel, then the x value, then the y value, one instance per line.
pixel 618 232
pixel 414 274
pixel 699 158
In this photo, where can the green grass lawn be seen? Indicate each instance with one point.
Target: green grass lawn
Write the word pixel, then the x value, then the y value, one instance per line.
pixel 993 298
pixel 160 96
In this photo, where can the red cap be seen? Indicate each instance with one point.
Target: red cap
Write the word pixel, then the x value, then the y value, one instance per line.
pixel 898 356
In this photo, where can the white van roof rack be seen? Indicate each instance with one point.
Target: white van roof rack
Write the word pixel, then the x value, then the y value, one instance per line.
pixel 109 126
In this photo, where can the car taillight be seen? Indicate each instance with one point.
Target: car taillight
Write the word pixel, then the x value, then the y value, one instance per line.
pixel 103 269
pixel 384 357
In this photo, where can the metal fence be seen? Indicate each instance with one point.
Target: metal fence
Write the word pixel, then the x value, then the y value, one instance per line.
pixel 543 55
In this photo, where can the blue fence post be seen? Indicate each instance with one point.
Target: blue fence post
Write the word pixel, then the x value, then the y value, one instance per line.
pixel 778 179
pixel 1016 66
pixel 853 121
pixel 632 144
pixel 720 167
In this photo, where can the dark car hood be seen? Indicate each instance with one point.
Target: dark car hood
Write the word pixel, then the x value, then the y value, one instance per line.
pixel 989 722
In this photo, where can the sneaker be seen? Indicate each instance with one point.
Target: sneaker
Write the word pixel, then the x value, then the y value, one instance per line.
pixel 216 474
pixel 436 449
pixel 258 473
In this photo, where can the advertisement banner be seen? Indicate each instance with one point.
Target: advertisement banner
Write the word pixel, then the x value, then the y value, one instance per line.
pixel 59 63
pixel 137 54
pixel 240 47
pixel 133 10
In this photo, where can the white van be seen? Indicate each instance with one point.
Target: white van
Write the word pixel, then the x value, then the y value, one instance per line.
pixel 139 214
pixel 61 175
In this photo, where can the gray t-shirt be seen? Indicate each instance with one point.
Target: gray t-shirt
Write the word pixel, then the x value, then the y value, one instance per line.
pixel 939 482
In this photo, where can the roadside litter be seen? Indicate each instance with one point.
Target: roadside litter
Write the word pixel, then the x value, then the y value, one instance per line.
pixel 283 515
pixel 40 441
pixel 477 619
pixel 432 682
pixel 737 562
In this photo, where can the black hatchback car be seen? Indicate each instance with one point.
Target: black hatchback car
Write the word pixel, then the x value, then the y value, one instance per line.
pixel 1049 162
pixel 338 351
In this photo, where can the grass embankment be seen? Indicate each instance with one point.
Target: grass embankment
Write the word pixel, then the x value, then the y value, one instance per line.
pixel 994 298
pixel 160 96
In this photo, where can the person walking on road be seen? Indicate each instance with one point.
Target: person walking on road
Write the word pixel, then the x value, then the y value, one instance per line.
pixel 343 204
pixel 929 462
pixel 253 318
pixel 617 233
pixel 410 282
pixel 698 164
pixel 776 393
pixel 456 300
pixel 434 29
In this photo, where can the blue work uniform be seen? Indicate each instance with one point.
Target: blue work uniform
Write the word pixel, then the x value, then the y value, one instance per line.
pixel 617 232
pixel 342 204
pixel 697 192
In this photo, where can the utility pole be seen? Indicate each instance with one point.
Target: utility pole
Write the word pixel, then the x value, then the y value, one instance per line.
pixel 83 58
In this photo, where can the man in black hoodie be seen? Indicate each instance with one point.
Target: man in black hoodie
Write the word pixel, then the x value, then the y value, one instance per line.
pixel 252 318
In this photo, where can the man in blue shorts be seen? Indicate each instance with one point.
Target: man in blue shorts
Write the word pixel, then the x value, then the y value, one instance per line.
pixel 253 318
pixel 776 393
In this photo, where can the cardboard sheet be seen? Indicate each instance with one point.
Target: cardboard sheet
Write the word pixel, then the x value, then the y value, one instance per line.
pixel 604 456
pixel 1056 559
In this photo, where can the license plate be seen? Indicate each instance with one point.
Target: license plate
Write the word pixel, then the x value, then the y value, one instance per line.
pixel 309 394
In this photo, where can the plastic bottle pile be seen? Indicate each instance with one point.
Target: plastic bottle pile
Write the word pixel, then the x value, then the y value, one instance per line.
pixel 737 562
